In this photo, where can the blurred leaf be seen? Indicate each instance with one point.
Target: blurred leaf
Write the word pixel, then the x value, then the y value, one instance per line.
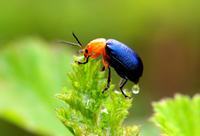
pixel 30 74
pixel 179 116
pixel 10 129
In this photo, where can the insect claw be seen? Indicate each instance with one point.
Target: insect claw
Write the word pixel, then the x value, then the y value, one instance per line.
pixel 126 96
pixel 77 62
pixel 104 90
pixel 129 97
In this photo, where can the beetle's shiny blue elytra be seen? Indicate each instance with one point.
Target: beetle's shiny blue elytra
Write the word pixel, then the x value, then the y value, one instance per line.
pixel 124 60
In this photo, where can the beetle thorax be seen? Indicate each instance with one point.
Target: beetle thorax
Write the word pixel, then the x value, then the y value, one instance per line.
pixel 95 48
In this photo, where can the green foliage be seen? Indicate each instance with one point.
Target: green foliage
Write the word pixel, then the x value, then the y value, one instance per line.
pixel 31 72
pixel 89 112
pixel 179 116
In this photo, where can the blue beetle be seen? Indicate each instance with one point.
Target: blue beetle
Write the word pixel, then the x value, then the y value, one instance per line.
pixel 123 59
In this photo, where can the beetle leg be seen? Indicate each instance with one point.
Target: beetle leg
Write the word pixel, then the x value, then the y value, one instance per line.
pixel 108 80
pixel 103 68
pixel 86 61
pixel 122 83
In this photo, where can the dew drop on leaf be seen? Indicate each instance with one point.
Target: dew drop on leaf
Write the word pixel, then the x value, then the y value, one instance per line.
pixel 117 92
pixel 135 89
pixel 104 110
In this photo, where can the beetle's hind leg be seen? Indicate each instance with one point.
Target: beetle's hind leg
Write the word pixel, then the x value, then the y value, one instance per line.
pixel 121 85
pixel 108 80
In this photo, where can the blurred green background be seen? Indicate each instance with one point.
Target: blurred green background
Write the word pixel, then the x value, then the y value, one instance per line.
pixel 165 33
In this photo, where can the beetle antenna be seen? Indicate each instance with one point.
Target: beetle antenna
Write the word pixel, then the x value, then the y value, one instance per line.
pixel 80 44
pixel 69 43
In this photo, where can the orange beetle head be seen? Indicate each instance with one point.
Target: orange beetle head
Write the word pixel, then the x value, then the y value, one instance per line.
pixel 95 48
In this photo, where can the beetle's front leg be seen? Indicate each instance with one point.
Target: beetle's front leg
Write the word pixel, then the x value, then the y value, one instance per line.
pixel 86 61
pixel 103 68
pixel 108 80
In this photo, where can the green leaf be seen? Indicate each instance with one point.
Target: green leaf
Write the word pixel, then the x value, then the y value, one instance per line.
pixel 88 111
pixel 179 116
pixel 31 72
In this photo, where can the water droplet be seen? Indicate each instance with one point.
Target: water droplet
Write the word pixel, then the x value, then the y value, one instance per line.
pixel 117 92
pixel 86 101
pixel 135 89
pixel 104 110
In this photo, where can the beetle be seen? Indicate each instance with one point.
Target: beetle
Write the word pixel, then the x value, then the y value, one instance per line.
pixel 123 59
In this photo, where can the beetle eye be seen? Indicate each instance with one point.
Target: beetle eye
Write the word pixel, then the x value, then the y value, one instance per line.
pixel 86 50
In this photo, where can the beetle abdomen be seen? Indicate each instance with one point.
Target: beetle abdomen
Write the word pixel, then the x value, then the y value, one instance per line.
pixel 124 60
